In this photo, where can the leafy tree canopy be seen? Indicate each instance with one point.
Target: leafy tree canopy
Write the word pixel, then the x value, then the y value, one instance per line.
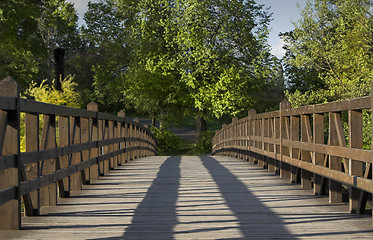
pixel 333 40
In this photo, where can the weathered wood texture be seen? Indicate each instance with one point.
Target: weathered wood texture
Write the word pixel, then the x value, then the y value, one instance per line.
pixel 71 148
pixel 318 146
pixel 193 198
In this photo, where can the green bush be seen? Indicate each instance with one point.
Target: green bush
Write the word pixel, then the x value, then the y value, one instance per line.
pixel 167 141
pixel 205 144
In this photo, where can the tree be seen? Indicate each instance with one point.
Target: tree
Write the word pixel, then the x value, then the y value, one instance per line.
pixel 224 55
pixel 223 58
pixel 152 83
pixel 107 33
pixel 334 40
pixel 19 45
pixel 58 28
pixel 209 58
pixel 29 32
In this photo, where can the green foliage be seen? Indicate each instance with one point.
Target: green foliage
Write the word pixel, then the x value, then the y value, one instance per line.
pixel 223 57
pixel 18 43
pixel 201 57
pixel 204 146
pixel 29 32
pixel 332 44
pixel 166 140
pixel 48 94
pixel 68 97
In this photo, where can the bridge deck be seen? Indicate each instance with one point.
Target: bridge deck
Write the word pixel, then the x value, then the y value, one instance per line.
pixel 193 198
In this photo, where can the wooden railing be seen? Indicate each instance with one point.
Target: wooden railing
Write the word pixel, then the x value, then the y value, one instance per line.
pixel 64 148
pixel 319 146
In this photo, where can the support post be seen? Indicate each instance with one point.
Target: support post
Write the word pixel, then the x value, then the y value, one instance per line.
pixel 10 145
pixel 355 127
pixel 284 134
pixel 93 130
pixel 121 134
pixel 318 159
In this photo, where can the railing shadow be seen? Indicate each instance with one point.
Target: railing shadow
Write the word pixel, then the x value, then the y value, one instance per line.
pixel 252 215
pixel 155 217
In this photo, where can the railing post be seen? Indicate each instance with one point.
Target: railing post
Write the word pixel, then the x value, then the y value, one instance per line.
pixel 33 170
pixel 64 140
pixel 294 153
pixel 84 138
pixel 284 134
pixel 306 136
pixel 335 163
pixel 318 159
pixel 130 142
pixel 94 150
pixel 121 134
pixel 10 145
pixel 234 137
pixel 48 194
pixel 136 135
pixel 75 136
pixel 105 136
pixel 271 135
pixel 355 128
pixel 224 137
pixel 250 131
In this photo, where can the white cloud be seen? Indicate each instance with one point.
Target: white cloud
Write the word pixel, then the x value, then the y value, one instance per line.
pixel 277 49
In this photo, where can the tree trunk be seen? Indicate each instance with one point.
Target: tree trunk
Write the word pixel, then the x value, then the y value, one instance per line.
pixel 161 121
pixel 200 128
pixel 153 121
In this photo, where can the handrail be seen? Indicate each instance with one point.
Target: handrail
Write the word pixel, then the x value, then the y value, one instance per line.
pixel 65 148
pixel 309 146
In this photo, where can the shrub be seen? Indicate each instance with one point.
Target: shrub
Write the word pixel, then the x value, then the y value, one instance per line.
pixel 204 146
pixel 167 141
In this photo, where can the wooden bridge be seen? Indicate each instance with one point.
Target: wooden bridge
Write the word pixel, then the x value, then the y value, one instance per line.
pixel 89 175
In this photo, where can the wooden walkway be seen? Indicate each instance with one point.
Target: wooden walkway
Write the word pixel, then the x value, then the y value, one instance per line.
pixel 193 198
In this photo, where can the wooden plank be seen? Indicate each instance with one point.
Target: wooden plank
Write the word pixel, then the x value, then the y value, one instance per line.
pixel 105 134
pixel 9 145
pixel 48 194
pixel 7 195
pixel 7 162
pixel 121 134
pixel 335 163
pixel 8 103
pixel 345 105
pixel 187 199
pixel 94 151
pixel 85 135
pixel 32 169
pixel 29 106
pixel 294 152
pixel 41 155
pixel 284 134
pixel 355 127
pixel 76 158
pixel 306 156
pixel 337 151
pixel 318 159
pixel 65 155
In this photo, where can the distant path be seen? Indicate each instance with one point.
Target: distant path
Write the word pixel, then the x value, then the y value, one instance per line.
pixel 193 197
pixel 185 133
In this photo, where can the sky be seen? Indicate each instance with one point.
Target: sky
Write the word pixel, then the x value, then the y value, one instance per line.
pixel 284 12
